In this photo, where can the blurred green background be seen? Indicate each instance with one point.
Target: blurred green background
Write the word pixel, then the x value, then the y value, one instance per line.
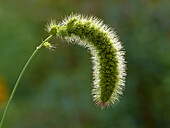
pixel 55 91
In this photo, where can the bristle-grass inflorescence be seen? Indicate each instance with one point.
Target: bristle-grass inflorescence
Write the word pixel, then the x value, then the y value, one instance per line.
pixel 106 50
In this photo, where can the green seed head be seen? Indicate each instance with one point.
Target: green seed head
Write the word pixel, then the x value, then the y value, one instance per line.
pixel 106 50
pixel 47 44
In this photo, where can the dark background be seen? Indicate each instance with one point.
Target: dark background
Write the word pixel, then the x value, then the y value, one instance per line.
pixel 55 91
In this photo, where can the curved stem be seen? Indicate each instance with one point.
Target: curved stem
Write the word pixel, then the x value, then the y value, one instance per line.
pixel 19 78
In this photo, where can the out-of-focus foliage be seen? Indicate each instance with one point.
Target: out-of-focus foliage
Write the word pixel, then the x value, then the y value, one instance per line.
pixel 55 91
pixel 4 92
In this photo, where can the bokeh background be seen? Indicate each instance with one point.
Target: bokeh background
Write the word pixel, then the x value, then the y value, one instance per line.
pixel 55 91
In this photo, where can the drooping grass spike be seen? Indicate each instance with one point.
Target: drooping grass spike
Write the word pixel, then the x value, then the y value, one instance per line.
pixel 106 50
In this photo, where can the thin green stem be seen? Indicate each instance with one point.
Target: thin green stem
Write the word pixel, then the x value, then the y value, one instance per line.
pixel 19 78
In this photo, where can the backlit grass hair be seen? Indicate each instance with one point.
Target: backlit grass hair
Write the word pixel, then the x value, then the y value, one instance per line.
pixel 105 48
